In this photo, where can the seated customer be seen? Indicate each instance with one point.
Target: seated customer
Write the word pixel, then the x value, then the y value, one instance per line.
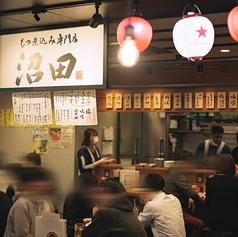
pixel 176 183
pixel 222 196
pixel 79 204
pixel 5 206
pixel 34 184
pixel 115 216
pixel 162 211
pixel 33 160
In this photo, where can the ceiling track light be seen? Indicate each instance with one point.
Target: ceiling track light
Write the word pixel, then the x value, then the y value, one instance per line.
pixel 36 9
pixel 96 18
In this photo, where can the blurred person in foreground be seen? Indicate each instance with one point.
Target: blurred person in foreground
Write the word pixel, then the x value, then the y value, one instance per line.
pixel 222 196
pixel 33 160
pixel 176 183
pixel 162 211
pixel 5 206
pixel 234 152
pixel 89 156
pixel 35 183
pixel 209 149
pixel 79 203
pixel 115 216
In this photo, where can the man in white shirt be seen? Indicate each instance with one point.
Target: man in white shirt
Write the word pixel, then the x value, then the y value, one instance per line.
pixel 162 211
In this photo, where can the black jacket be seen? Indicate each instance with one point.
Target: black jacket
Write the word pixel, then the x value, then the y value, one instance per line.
pixel 117 219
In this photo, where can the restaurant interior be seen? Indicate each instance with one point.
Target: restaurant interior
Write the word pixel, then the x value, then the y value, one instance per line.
pixel 143 134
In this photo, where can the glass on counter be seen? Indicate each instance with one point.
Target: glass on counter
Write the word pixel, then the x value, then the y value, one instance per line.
pixel 78 228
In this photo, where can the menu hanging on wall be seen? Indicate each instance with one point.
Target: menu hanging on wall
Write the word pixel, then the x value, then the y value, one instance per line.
pixel 157 101
pixel 221 100
pixel 32 108
pixel 128 101
pixel 233 100
pixel 199 100
pixel 188 100
pixel 210 100
pixel 167 101
pixel 75 107
pixel 177 100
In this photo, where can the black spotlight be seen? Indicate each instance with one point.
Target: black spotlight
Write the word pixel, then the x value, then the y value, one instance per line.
pixel 97 18
pixel 36 9
pixel 36 17
pixel 200 68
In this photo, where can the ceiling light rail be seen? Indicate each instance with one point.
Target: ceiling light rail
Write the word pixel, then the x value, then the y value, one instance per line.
pixel 55 6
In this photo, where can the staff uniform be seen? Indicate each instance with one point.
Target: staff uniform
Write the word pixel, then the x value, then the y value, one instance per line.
pixel 205 149
pixel 165 215
pixel 117 219
pixel 86 158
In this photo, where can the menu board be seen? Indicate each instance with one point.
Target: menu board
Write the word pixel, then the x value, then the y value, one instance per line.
pixel 32 108
pixel 75 107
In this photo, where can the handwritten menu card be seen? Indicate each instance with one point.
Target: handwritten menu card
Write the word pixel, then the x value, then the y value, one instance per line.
pixel 32 108
pixel 210 100
pixel 75 107
pixel 167 101
pixel 199 100
pixel 157 101
pixel 188 100
pixel 221 100
pixel 177 100
pixel 232 100
pixel 128 101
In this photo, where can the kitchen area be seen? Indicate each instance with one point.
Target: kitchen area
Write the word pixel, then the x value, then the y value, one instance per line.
pixel 141 137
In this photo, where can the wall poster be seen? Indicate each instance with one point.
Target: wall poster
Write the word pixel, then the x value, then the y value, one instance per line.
pixel 40 141
pixel 75 107
pixel 55 138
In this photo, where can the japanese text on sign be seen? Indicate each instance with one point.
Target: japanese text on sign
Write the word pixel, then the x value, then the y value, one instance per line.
pixel 157 101
pixel 75 107
pixel 118 101
pixel 109 101
pixel 199 100
pixel 167 101
pixel 221 100
pixel 32 108
pixel 128 101
pixel 232 100
pixel 210 100
pixel 188 101
pixel 137 101
pixel 177 100
pixel 57 57
pixel 147 101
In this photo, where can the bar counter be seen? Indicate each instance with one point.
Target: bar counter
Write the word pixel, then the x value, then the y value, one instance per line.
pixel 196 177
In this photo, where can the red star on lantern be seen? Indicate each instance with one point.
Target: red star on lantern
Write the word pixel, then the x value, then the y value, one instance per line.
pixel 201 32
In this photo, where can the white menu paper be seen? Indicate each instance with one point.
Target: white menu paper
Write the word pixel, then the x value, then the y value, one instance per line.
pixel 33 108
pixel 75 107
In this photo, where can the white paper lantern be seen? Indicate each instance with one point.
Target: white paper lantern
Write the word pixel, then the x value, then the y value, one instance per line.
pixel 193 36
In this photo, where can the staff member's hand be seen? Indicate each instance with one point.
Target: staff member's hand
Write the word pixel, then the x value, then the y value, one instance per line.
pixel 104 161
pixel 111 161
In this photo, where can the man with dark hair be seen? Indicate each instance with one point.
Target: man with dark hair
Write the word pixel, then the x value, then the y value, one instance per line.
pixel 79 204
pixel 115 216
pixel 214 146
pixel 33 159
pixel 176 183
pixel 27 203
pixel 162 211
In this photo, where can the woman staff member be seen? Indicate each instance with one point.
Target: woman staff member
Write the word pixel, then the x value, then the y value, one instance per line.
pixel 89 156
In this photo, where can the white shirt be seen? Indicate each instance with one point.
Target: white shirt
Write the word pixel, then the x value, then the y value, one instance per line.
pixel 164 212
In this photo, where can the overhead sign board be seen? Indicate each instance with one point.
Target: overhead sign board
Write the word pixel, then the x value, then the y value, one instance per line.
pixel 51 58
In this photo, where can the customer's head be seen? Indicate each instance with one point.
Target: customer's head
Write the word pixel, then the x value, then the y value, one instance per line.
pixel 112 186
pixel 226 164
pixel 35 180
pixel 90 137
pixel 183 155
pixel 154 182
pixel 86 180
pixel 33 159
pixel 217 134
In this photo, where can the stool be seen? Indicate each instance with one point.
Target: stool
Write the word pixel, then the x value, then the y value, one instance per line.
pixel 207 232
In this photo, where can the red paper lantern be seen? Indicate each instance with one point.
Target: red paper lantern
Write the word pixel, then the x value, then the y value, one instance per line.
pixel 232 22
pixel 142 32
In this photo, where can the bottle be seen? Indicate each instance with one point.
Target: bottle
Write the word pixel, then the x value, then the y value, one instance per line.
pixel 135 209
pixel 161 147
pixel 70 228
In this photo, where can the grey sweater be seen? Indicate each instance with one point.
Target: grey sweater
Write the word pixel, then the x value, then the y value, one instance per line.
pixel 21 218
